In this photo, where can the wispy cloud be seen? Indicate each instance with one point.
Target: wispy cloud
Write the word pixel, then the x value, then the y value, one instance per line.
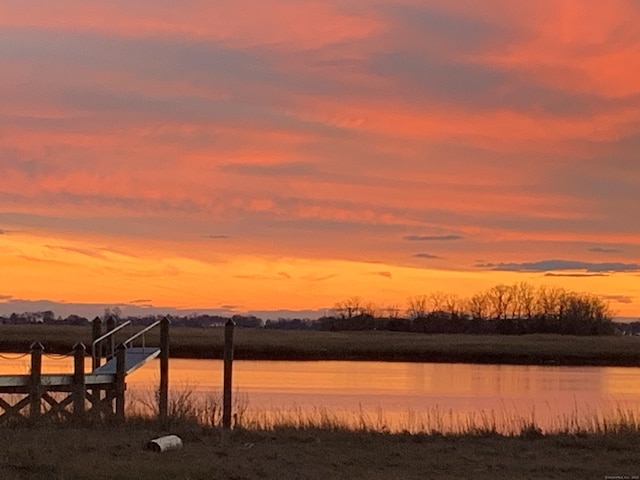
pixel 89 252
pixel 217 237
pixel 318 278
pixel 618 298
pixel 576 275
pixel 252 277
pixel 230 307
pixel 560 265
pixel 605 250
pixel 290 169
pixel 277 276
pixel 432 238
pixel 427 256
pixel 388 275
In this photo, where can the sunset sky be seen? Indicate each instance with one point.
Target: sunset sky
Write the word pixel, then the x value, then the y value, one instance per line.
pixel 252 156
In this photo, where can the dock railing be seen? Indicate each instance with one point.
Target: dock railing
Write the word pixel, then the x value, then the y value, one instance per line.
pixel 95 353
pixel 129 341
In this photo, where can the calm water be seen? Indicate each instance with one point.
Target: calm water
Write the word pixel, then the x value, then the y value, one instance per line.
pixel 397 396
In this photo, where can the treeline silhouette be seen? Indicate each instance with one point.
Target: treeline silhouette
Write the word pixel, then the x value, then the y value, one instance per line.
pixel 503 309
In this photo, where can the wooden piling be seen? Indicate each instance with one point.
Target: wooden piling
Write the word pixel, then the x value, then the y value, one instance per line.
pixel 120 385
pixel 35 381
pixel 163 394
pixel 111 324
pixel 79 351
pixel 228 374
pixel 96 333
pixel 96 360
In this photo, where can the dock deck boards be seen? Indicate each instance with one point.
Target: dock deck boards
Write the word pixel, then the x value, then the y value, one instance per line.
pixel 135 357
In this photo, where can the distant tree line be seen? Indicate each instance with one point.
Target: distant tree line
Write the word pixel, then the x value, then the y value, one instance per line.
pixel 503 309
pixel 48 318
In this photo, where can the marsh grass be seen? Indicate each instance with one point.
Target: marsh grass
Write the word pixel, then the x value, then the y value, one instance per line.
pixel 293 443
pixel 266 344
pixel 186 408
pixel 435 421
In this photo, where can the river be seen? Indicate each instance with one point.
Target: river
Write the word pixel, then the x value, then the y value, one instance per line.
pixel 395 396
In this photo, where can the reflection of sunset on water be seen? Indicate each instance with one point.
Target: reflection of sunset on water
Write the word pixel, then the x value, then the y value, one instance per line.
pixel 395 391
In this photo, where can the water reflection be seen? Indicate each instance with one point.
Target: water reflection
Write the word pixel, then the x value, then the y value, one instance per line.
pixel 398 394
pixel 552 396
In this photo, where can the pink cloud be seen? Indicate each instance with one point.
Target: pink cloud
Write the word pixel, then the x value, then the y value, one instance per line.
pixel 325 129
pixel 303 24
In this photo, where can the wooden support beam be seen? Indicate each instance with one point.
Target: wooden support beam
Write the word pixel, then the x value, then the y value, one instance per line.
pixel 35 381
pixel 163 394
pixel 79 351
pixel 13 411
pixel 96 332
pixel 57 408
pixel 228 374
pixel 120 385
pixel 111 325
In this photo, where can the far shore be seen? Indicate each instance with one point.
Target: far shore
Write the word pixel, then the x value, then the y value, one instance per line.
pixel 265 344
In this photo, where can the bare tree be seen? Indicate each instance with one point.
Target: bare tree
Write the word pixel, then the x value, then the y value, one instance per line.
pixel 479 306
pixel 370 309
pixel 549 301
pixel 417 307
pixel 453 304
pixel 393 311
pixel 349 308
pixel 524 301
pixel 501 297
pixel 437 301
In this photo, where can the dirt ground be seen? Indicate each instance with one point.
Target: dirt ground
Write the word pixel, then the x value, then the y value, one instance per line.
pixel 55 453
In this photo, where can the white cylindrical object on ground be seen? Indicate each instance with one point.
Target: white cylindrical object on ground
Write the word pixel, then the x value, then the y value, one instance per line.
pixel 163 444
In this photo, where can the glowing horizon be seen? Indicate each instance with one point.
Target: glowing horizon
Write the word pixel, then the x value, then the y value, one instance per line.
pixel 272 155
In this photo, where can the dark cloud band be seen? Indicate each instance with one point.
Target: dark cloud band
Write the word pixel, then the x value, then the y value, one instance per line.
pixel 432 238
pixel 562 265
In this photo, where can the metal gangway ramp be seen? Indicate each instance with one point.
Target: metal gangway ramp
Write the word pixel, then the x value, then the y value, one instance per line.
pixel 135 357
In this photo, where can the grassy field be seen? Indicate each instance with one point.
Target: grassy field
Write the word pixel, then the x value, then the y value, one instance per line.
pixel 369 345
pixel 57 453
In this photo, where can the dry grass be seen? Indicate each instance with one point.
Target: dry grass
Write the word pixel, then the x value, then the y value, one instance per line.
pixel 295 445
pixel 56 453
pixel 205 411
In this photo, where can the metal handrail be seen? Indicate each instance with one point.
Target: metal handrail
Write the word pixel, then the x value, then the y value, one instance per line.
pixel 105 336
pixel 128 341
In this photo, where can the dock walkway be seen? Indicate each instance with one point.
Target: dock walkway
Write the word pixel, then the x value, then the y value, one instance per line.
pixel 102 390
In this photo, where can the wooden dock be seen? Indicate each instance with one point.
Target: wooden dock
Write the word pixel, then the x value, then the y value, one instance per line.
pixel 99 393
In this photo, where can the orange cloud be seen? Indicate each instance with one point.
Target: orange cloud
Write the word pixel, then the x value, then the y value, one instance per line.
pixel 298 142
pixel 241 23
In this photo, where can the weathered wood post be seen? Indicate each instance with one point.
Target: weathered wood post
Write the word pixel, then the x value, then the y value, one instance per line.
pixel 111 324
pixel 96 360
pixel 120 381
pixel 228 374
pixel 35 390
pixel 95 334
pixel 163 394
pixel 79 351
